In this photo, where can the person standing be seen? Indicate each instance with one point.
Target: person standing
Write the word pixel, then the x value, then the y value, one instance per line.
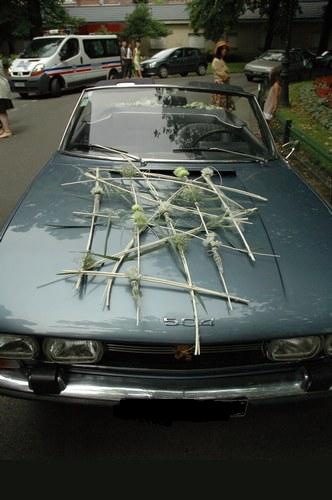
pixel 137 60
pixel 5 104
pixel 128 61
pixel 221 74
pixel 273 98
pixel 123 53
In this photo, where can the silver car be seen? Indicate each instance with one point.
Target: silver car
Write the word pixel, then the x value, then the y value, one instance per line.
pixel 270 62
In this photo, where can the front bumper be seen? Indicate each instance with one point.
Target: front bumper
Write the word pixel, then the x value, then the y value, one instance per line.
pixel 149 71
pixel 89 384
pixel 30 85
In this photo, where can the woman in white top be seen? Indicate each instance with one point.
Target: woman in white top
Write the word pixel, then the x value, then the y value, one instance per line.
pixel 5 104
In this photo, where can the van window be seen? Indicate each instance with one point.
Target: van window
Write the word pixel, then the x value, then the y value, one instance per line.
pixel 101 47
pixel 70 49
pixel 42 47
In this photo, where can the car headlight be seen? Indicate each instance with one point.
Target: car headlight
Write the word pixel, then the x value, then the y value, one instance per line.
pixel 152 64
pixel 39 68
pixel 72 351
pixel 328 345
pixel 18 347
pixel 293 349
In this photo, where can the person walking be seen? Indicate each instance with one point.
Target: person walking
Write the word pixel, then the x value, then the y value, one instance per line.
pixel 273 97
pixel 137 60
pixel 123 53
pixel 5 104
pixel 221 74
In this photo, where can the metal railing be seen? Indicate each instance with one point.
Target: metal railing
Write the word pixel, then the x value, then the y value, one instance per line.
pixel 303 162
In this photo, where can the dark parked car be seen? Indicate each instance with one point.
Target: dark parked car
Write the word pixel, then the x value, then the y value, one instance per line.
pixel 178 60
pixel 167 252
pixel 270 62
pixel 324 60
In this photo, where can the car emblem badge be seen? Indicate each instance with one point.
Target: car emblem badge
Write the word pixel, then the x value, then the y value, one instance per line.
pixel 183 352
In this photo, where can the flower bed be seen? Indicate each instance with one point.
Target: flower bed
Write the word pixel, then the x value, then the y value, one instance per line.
pixel 316 100
pixel 323 89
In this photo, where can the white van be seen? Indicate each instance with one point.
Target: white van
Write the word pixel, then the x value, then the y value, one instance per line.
pixel 50 64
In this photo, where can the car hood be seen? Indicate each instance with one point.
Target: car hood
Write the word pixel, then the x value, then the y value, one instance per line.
pixel 262 65
pixel 27 64
pixel 288 294
pixel 149 61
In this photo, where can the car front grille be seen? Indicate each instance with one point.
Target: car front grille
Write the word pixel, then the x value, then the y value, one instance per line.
pixel 182 357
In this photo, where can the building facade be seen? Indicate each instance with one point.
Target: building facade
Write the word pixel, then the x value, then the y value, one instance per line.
pixel 246 40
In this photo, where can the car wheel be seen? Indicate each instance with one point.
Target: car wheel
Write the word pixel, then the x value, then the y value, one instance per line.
pixel 184 73
pixel 23 95
pixel 249 78
pixel 113 75
pixel 163 72
pixel 55 87
pixel 201 70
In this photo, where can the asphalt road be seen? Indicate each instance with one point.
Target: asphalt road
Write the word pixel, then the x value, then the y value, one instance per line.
pixel 34 430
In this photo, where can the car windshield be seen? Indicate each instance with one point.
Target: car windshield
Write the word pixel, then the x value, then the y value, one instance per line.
pixel 272 56
pixel 167 124
pixel 162 53
pixel 42 47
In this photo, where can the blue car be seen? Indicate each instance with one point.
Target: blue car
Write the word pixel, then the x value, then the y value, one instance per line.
pixel 167 252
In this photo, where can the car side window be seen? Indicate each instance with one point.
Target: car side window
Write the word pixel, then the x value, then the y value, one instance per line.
pixel 189 52
pixel 111 47
pixel 94 48
pixel 69 49
pixel 177 54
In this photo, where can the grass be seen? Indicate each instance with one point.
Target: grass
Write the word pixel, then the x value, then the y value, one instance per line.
pixel 305 123
pixel 303 120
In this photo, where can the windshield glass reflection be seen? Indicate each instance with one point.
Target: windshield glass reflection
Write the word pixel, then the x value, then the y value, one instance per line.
pixel 165 123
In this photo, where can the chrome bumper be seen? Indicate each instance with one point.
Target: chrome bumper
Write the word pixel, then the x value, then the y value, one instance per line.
pixel 107 388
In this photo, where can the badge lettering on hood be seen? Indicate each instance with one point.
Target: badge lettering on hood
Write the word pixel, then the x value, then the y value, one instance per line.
pixel 188 322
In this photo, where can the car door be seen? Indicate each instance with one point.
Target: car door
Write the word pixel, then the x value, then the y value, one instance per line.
pixel 94 55
pixel 70 61
pixel 191 59
pixel 176 62
pixel 296 65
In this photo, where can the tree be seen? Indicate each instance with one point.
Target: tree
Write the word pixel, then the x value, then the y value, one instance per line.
pixel 276 12
pixel 215 20
pixel 21 19
pixel 326 28
pixel 140 24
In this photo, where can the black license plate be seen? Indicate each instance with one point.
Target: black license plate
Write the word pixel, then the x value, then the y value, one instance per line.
pixel 168 410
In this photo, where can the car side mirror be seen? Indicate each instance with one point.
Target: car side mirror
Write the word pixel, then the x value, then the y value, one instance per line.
pixel 62 56
pixel 288 148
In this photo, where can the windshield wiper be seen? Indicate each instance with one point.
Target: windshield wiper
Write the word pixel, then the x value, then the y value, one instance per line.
pixel 109 149
pixel 221 150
